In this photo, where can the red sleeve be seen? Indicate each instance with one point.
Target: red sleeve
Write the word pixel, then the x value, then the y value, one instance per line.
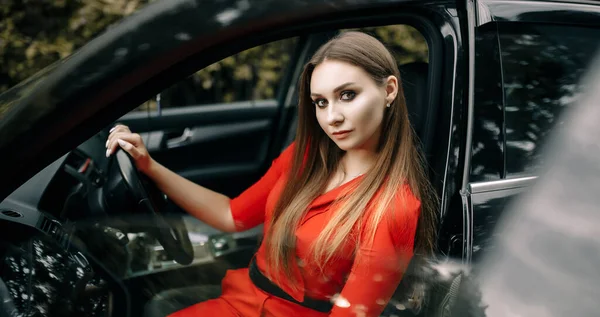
pixel 248 209
pixel 378 267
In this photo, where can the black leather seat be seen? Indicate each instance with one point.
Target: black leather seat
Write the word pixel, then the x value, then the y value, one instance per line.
pixel 170 301
pixel 414 78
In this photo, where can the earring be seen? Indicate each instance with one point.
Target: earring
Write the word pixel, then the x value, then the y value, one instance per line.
pixel 388 105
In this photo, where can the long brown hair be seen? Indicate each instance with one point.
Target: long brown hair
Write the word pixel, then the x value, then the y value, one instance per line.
pixel 316 157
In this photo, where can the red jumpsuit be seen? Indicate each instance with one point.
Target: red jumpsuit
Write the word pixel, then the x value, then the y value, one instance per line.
pixel 364 282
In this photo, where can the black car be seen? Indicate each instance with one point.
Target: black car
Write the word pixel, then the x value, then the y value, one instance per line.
pixel 486 82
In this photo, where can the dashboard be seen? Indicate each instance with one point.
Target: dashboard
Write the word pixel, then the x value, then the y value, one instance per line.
pixel 43 279
pixel 67 249
pixel 47 267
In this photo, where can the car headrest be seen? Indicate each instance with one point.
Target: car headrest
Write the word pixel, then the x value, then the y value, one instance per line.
pixel 414 81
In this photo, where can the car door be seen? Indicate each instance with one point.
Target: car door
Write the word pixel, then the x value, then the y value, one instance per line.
pixel 528 68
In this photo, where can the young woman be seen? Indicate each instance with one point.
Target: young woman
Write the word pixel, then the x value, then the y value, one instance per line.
pixel 344 207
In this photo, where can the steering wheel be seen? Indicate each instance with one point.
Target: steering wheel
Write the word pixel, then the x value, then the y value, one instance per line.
pixel 7 306
pixel 171 232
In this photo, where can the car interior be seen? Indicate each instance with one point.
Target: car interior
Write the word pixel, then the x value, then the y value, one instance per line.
pixel 97 229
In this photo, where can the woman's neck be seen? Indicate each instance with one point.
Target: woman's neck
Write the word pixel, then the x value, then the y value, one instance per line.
pixel 357 162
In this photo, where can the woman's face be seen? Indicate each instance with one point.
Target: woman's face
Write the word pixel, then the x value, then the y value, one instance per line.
pixel 349 104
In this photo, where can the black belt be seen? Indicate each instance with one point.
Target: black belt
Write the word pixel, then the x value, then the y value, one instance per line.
pixel 266 285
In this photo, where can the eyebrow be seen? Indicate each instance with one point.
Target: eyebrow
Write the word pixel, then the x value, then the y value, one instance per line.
pixel 338 88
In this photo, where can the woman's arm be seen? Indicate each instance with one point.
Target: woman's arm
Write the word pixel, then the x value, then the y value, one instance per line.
pixel 210 207
pixel 215 209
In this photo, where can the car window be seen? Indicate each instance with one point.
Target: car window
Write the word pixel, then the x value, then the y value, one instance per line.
pixel 487 156
pixel 542 68
pixel 255 74
pixel 251 75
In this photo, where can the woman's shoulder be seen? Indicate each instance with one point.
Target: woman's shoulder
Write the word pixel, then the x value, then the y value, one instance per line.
pixel 284 159
pixel 400 217
pixel 403 216
pixel 406 205
pixel 289 150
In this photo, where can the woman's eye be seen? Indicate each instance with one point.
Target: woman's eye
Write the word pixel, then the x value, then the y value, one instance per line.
pixel 347 95
pixel 321 103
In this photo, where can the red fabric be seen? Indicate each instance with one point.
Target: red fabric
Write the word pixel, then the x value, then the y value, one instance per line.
pixel 366 282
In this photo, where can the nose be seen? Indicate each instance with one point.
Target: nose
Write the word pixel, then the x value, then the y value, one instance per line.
pixel 334 116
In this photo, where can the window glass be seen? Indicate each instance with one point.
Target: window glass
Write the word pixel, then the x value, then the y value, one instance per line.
pixel 487 156
pixel 253 74
pixel 542 68
pixel 405 42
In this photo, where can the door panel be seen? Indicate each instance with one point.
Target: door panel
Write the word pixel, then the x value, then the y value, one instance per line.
pixel 224 155
pixel 212 154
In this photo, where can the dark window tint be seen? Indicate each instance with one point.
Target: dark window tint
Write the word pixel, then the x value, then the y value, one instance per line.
pixel 543 65
pixel 487 160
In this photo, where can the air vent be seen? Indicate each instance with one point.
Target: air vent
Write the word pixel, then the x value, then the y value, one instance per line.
pixel 13 214
pixel 54 229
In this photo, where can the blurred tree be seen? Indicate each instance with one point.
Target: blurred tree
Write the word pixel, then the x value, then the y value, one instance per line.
pixel 253 74
pixel 405 42
pixel 36 33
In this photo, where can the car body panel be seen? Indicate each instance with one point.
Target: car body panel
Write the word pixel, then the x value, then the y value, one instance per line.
pixel 572 12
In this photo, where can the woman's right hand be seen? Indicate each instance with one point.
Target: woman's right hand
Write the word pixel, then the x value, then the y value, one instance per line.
pixel 132 143
pixel 210 207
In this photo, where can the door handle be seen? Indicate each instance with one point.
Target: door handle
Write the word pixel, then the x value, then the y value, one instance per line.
pixel 183 139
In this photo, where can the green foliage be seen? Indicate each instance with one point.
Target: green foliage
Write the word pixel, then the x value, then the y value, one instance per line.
pixel 253 74
pixel 36 33
pixel 406 43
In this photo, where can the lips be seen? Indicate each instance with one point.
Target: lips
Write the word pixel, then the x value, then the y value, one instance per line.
pixel 341 134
